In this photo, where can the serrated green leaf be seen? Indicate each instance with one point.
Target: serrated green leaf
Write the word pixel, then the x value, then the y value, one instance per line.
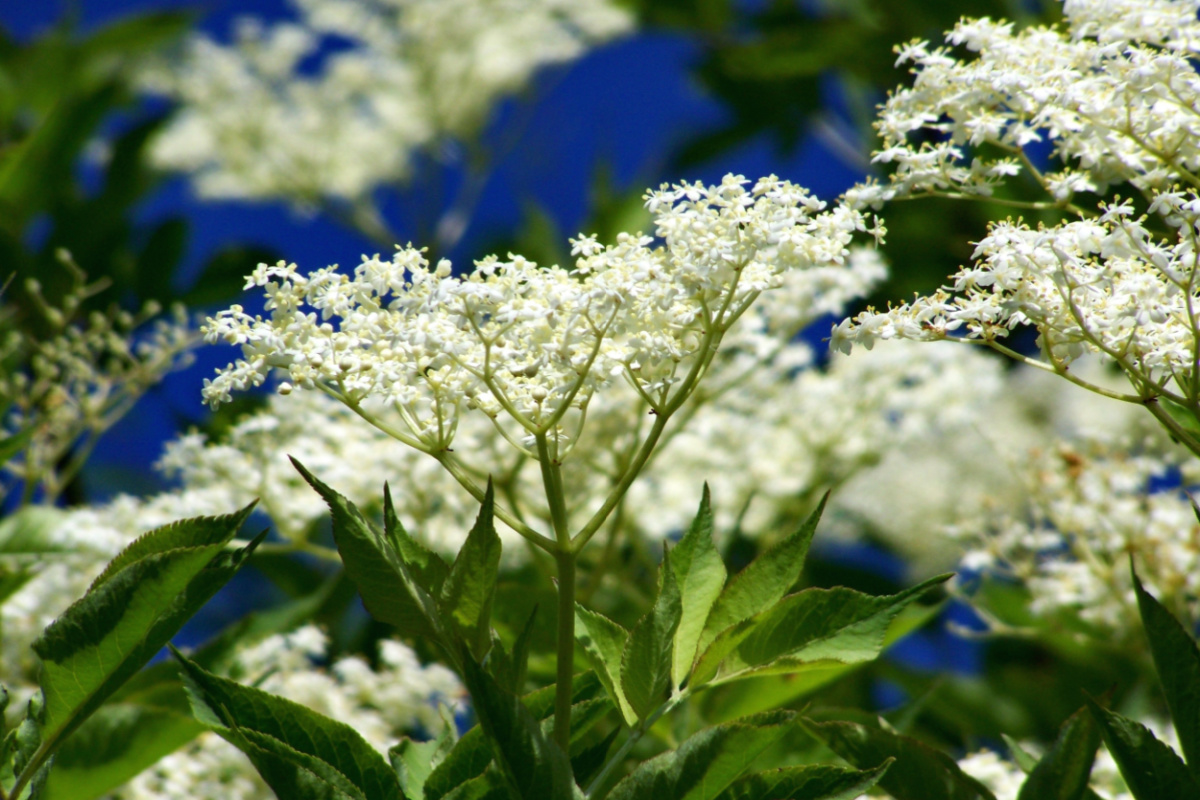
pixel 182 534
pixel 295 748
pixel 1177 661
pixel 470 588
pixel 534 766
pixel 472 754
pixel 1151 769
pixel 761 584
pixel 707 763
pixel 839 625
pixel 104 638
pixel 509 669
pixel 584 717
pixel 811 782
pixel 604 642
pixel 588 761
pixel 919 772
pixel 764 691
pixel 427 567
pixel 1063 773
pixel 414 761
pixel 646 660
pixel 700 574
pixel 115 744
pixel 389 590
pixel 488 786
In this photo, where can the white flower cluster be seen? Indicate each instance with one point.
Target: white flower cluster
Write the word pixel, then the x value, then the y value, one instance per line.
pixel 402 696
pixel 1090 505
pixel 1115 92
pixel 1112 89
pixel 257 122
pixel 533 343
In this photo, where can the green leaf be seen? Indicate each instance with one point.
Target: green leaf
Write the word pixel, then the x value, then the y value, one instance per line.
pixel 188 533
pixel 127 616
pixel 1151 769
pixel 509 669
pixel 603 642
pixel 919 772
pixel 761 584
pixel 840 625
pixel 646 661
pixel 1063 773
pixel 767 690
pixel 11 445
pixel 700 574
pixel 1020 756
pixel 30 531
pixel 115 744
pixel 589 760
pixel 534 766
pixel 488 786
pixel 1177 661
pixel 426 566
pixel 414 761
pixel 295 749
pixel 471 756
pixel 469 589
pixel 811 782
pixel 389 589
pixel 707 763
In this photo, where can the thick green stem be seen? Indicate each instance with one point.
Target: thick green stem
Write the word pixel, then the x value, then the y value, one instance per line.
pixel 565 558
pixel 566 648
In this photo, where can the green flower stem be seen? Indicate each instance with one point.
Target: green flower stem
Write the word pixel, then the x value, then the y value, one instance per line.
pixel 565 656
pixel 565 558
pixel 634 736
pixel 323 553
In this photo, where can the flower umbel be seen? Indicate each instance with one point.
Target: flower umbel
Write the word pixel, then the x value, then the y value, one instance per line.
pixel 529 345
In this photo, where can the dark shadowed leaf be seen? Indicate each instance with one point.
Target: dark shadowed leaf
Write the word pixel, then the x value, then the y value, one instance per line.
pixel 534 766
pixel 646 661
pixel 812 782
pixel 707 763
pixel 1177 661
pixel 299 753
pixel 1063 773
pixel 919 772
pixel 468 591
pixel 1151 769
pixel 389 589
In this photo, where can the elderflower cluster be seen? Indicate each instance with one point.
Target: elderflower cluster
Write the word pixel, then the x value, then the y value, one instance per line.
pixel 400 696
pixel 528 343
pixel 256 121
pixel 1115 92
pixel 1112 89
pixel 1090 506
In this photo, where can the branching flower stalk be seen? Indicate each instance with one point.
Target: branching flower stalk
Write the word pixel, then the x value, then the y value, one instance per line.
pixel 411 347
pixel 75 383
